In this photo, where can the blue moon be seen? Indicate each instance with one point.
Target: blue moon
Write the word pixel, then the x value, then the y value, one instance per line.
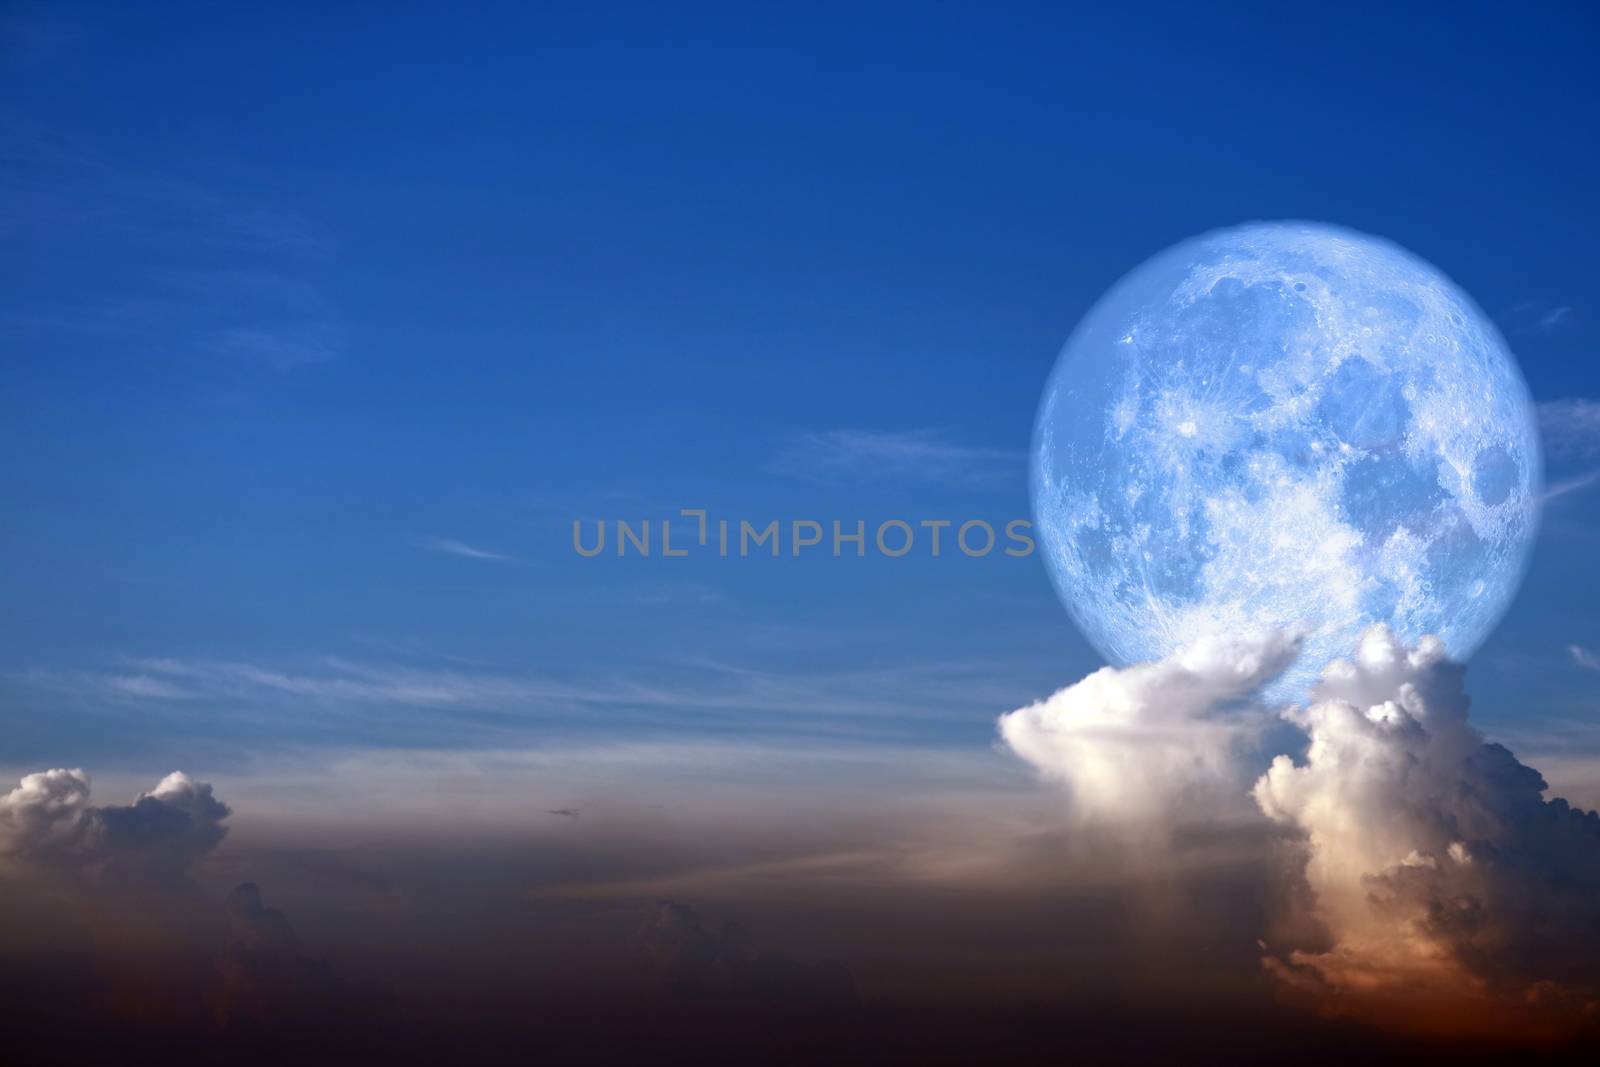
pixel 1285 424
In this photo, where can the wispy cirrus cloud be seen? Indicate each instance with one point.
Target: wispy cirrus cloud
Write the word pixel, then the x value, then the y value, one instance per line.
pixel 1571 428
pixel 1586 658
pixel 163 262
pixel 282 347
pixel 1554 318
pixel 1567 486
pixel 1540 317
pixel 449 546
pixel 926 456
pixel 455 705
pixel 146 685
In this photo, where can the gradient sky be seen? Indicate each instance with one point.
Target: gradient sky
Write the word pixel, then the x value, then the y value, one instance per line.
pixel 320 326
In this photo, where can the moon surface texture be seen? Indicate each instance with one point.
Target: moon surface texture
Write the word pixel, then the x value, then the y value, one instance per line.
pixel 1285 424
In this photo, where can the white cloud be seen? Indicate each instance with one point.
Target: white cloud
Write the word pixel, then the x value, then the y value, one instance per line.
pixel 46 815
pixel 1129 744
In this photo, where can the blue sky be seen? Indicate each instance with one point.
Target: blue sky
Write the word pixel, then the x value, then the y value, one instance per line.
pixel 308 312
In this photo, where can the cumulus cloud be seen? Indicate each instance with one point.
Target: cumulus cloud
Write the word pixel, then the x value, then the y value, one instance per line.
pixel 1436 864
pixel 1431 864
pixel 48 820
pixel 46 815
pixel 1128 744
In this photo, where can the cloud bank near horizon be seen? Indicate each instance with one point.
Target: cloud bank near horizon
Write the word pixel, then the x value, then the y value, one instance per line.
pixel 1394 858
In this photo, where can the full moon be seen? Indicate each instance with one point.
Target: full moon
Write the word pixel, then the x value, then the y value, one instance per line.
pixel 1285 424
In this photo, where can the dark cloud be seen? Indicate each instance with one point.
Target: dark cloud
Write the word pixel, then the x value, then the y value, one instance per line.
pixel 268 982
pixel 696 959
pixel 254 927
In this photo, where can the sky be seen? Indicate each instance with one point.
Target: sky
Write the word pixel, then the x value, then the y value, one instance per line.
pixel 321 325
pixel 320 328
